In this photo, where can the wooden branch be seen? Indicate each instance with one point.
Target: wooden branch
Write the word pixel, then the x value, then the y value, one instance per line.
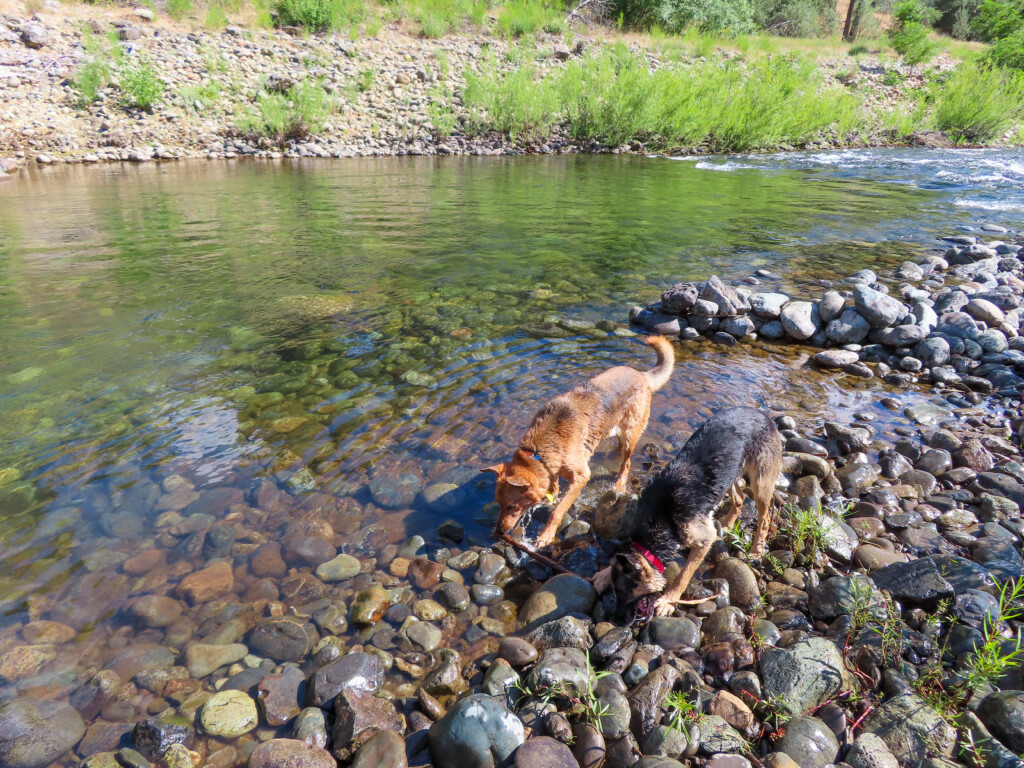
pixel 542 559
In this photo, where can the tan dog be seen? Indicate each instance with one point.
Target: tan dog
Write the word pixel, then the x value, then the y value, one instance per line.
pixel 565 433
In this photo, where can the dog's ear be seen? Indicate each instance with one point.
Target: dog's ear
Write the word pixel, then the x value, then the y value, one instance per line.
pixel 518 480
pixel 603 580
pixel 498 469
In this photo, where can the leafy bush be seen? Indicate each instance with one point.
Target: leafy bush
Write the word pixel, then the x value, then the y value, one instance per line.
pixel 1009 51
pixel 955 16
pixel 318 15
pixel 996 20
pixel 723 16
pixel 858 50
pixel 527 17
pixel 92 77
pixel 909 32
pixel 141 85
pixel 978 104
pixel 302 111
pixel 796 18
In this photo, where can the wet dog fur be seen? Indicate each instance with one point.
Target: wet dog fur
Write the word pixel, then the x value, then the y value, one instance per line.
pixel 676 509
pixel 565 433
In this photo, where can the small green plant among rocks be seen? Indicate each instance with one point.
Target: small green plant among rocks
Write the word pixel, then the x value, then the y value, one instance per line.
pixel 141 86
pixel 583 705
pixel 300 112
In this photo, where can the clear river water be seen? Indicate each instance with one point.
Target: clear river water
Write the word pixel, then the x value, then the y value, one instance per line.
pixel 198 338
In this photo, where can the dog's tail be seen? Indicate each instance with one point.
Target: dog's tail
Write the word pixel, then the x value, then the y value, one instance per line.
pixel 658 375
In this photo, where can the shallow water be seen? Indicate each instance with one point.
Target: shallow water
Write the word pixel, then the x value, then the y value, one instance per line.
pixel 390 325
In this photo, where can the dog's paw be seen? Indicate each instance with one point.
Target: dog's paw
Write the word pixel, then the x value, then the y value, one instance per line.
pixel 545 537
pixel 665 605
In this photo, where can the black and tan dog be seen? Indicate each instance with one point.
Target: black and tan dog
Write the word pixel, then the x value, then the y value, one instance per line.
pixel 676 509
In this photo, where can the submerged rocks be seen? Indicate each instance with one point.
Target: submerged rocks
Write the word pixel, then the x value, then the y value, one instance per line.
pixel 290 753
pixel 35 733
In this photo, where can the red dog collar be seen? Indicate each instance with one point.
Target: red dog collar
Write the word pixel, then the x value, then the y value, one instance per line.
pixel 649 556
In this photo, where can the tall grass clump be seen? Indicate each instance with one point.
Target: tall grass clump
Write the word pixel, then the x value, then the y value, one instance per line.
pixel 301 111
pixel 977 104
pixel 102 57
pixel 613 97
pixel 909 33
pixel 527 17
pixel 141 86
pixel 179 9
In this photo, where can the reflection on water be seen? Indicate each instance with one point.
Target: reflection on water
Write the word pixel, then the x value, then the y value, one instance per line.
pixel 216 339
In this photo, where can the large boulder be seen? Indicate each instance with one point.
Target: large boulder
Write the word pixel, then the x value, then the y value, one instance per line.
pixel 728 300
pixel 679 298
pixel 911 729
pixel 1003 713
pixel 917 582
pixel 477 732
pixel 768 306
pixel 848 328
pixel 800 319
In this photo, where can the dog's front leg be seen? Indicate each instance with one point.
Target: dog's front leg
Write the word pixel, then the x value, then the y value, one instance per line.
pixel 701 535
pixel 577 482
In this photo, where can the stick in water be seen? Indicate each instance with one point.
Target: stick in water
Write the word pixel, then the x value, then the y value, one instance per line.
pixel 542 559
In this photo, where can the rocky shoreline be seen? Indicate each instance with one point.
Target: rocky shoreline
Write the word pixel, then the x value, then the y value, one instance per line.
pixel 270 627
pixel 385 88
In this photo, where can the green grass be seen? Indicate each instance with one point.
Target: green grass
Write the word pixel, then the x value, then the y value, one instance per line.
pixel 613 97
pixel 141 86
pixel 216 17
pixel 92 77
pixel 300 112
pixel 519 18
pixel 179 9
pixel 320 15
pixel 977 104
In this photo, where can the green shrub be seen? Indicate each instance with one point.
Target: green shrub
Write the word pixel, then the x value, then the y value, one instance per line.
pixel 141 86
pixel 978 104
pixel 909 32
pixel 92 77
pixel 796 18
pixel 1009 51
pixel 858 50
pixel 528 17
pixel 956 16
pixel 179 9
pixel 216 17
pixel 721 16
pixel 302 111
pixel 319 15
pixel 996 20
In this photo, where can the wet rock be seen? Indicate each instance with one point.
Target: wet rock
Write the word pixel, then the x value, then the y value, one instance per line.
pixel 24 661
pixel 588 746
pixel 561 595
pixel 229 714
pixel 290 753
pixel 848 328
pixel 566 632
pixel 615 515
pixel 35 733
pixel 927 415
pixel 834 358
pixel 283 639
pixel 672 633
pixel 424 636
pixel 544 751
pixel 358 716
pixel 917 582
pixel 266 561
pixel 391 489
pixel 564 668
pixel 933 351
pixel 800 319
pixel 911 729
pixel 679 298
pixel 737 714
pixel 500 679
pixel 877 308
pixel 1003 714
pixel 477 732
pixel 840 596
pixel 338 569
pixel 974 455
pixel 385 749
pixel 647 698
pixel 985 311
pixel 154 736
pixel 446 679
pixel 207 584
pixel 454 597
pixel 155 611
pixel 809 742
pixel 353 671
pixel 743 590
pixel 869 751
pixel 280 694
pixel 517 652
pixel 805 675
pixel 310 727
pixel 369 605
pixel 201 659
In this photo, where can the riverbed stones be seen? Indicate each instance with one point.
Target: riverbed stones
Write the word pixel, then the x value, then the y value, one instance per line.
pixel 917 582
pixel 288 638
pixel 358 715
pixel 202 658
pixel 369 605
pixel 848 328
pixel 768 306
pixel 353 671
pixel 809 742
pixel 229 714
pixel 679 298
pixel 985 311
pixel 1003 715
pixel 544 751
pixel 477 732
pixel 800 319
pixel 154 736
pixel 911 729
pixel 279 695
pixel 877 308
pixel 35 733
pixel 804 675
pixel 834 358
pixel 559 596
pixel 385 749
pixel 290 753
pixel 204 585
pixel 339 568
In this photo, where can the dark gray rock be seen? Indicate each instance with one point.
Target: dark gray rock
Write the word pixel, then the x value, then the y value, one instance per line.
pixel 679 298
pixel 477 732
pixel 1003 714
pixel 154 736
pixel 559 596
pixel 877 308
pixel 917 582
pixel 809 742
pixel 911 729
pixel 804 675
pixel 283 639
